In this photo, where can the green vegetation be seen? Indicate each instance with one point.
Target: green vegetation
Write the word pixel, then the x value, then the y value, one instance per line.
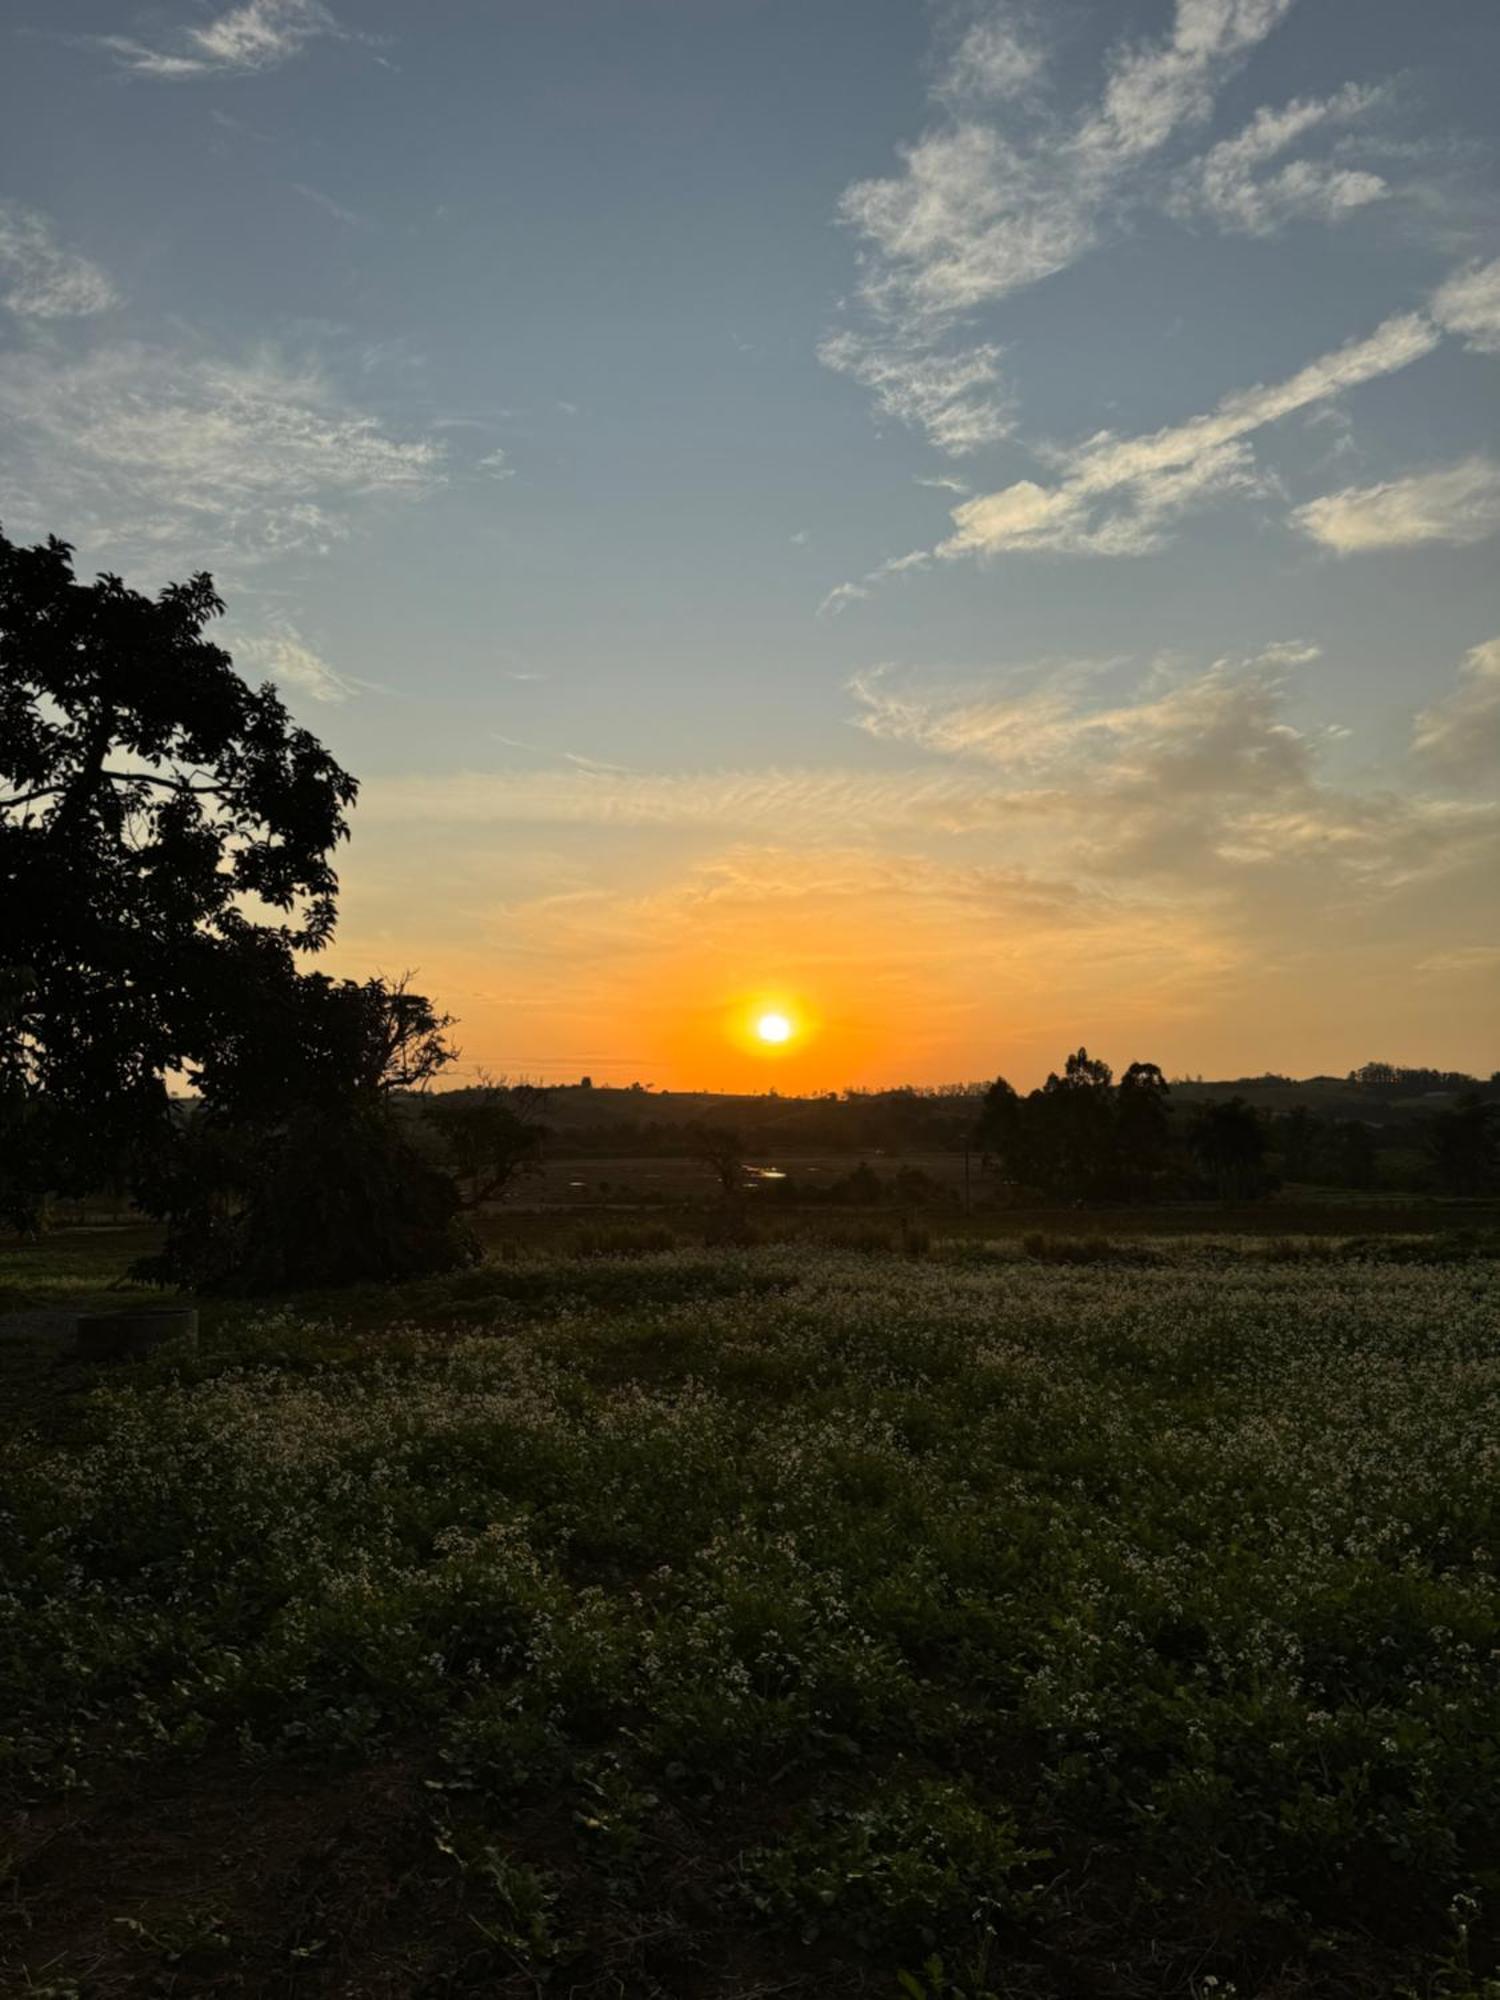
pixel 970 1619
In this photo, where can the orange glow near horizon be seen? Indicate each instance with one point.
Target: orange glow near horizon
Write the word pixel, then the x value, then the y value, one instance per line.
pixel 785 1036
pixel 769 1026
pixel 886 973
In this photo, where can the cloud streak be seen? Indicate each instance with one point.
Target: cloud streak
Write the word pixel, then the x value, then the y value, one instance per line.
pixel 1458 504
pixel 1119 495
pixel 1458 738
pixel 286 656
pixel 1227 186
pixel 1469 305
pixel 260 35
pixel 39 279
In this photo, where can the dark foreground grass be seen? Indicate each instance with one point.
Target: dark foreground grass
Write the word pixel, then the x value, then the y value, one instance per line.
pixel 775 1621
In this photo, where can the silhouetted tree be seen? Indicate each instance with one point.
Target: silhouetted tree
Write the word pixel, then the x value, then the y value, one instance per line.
pixel 722 1151
pixel 293 1168
pixel 489 1136
pixel 1142 1128
pixel 1229 1143
pixel 1355 1154
pixel 1069 1130
pixel 303 1041
pixel 1081 1137
pixel 997 1131
pixel 165 833
pixel 861 1188
pixel 1297 1133
pixel 1464 1146
pixel 24 1144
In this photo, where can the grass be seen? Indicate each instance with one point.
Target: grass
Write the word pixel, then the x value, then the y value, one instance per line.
pixel 956 1620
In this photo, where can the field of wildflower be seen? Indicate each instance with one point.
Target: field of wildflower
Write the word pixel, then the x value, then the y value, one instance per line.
pixel 772 1621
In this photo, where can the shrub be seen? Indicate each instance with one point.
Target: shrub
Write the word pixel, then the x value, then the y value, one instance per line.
pixel 322 1200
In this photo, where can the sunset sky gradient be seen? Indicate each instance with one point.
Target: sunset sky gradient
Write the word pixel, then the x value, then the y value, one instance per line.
pixel 973 527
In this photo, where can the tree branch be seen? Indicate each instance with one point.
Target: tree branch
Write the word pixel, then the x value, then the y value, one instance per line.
pixel 116 777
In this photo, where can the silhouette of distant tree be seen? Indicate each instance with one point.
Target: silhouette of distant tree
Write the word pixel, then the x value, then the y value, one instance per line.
pixel 1464 1146
pixel 722 1151
pixel 1229 1143
pixel 1297 1133
pixel 1081 1071
pixel 1070 1131
pixel 997 1131
pixel 1143 1131
pixel 1355 1154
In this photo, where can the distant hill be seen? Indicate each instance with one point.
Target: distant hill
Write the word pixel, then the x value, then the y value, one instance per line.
pixel 634 1118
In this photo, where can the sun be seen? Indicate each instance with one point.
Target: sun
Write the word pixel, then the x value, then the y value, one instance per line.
pixel 773 1028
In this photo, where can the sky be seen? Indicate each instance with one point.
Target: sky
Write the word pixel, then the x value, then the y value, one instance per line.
pixel 971 526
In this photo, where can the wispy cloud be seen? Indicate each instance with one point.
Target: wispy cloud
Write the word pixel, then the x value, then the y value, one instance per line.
pixel 996 58
pixel 350 218
pixel 1119 495
pixel 286 656
pixel 1227 183
pixel 42 280
pixel 583 763
pixel 1214 731
pixel 1469 305
pixel 981 209
pixel 809 802
pixel 1457 503
pixel 260 35
pixel 1459 737
pixel 844 594
pixel 1205 783
pixel 496 464
pixel 175 457
pixel 956 398
pixel 1198 789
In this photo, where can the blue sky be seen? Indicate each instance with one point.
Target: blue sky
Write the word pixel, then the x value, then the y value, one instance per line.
pixel 976 521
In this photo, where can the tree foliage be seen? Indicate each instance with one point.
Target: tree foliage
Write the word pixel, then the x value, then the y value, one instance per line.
pixel 293 1168
pixel 1229 1143
pixel 165 834
pixel 165 841
pixel 722 1150
pixel 1082 1137
pixel 489 1136
pixel 1464 1146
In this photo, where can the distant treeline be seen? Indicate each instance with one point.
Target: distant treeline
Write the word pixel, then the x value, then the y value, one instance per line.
pixel 1082 1135
pixel 1393 1080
